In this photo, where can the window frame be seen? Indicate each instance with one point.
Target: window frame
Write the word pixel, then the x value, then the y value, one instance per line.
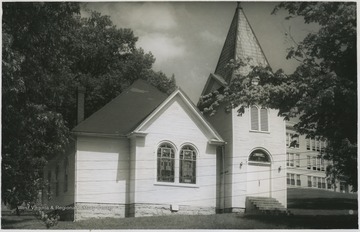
pixel 177 170
pixel 159 160
pixel 182 160
pixel 259 119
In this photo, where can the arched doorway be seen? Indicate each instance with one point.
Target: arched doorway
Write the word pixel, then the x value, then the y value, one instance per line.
pixel 259 174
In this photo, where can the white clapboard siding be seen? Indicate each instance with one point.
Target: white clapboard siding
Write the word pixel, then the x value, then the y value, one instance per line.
pixel 176 124
pixel 245 141
pixel 64 198
pixel 102 170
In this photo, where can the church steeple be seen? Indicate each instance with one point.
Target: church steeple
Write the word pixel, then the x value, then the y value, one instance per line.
pixel 241 43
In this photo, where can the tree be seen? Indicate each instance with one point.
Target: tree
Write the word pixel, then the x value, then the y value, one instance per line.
pixel 49 51
pixel 322 91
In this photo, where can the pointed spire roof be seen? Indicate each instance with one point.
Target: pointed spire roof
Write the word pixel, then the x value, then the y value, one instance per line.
pixel 241 43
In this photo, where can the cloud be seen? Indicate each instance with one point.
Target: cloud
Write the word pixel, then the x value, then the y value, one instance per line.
pixel 208 36
pixel 148 16
pixel 162 46
pixel 154 16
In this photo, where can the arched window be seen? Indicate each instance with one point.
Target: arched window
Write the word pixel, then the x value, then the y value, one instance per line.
pixel 259 120
pixel 259 156
pixel 165 163
pixel 188 165
pixel 66 171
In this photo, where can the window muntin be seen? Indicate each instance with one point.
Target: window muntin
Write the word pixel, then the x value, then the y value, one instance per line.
pixel 188 165
pixel 259 156
pixel 165 163
pixel 259 119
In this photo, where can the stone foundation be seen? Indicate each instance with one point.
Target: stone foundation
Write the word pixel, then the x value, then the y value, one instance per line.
pixel 98 210
pixel 145 210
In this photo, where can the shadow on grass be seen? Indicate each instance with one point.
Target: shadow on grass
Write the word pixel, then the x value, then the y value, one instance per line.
pixel 310 222
pixel 14 224
pixel 323 203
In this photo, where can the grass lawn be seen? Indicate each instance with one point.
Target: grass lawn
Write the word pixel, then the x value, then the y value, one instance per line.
pixel 318 210
pixel 218 221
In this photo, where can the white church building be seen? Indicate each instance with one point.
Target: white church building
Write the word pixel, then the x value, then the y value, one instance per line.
pixel 146 153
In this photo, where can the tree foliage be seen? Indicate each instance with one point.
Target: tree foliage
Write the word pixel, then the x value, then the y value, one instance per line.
pixel 322 91
pixel 48 52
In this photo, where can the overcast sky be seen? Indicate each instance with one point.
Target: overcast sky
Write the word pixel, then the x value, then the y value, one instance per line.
pixel 186 38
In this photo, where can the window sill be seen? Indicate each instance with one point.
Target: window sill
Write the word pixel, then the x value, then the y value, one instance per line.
pixel 260 132
pixel 176 185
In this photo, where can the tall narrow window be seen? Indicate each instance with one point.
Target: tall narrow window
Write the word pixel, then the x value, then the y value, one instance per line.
pixel 317 144
pixel 254 118
pixel 287 140
pixel 264 124
pixel 328 183
pixel 308 162
pixel 298 180
pixel 314 163
pixel 288 178
pixel 313 144
pixel 292 179
pixel 188 165
pixel 66 171
pixel 297 160
pixel 308 143
pixel 314 182
pixel 259 119
pixel 318 164
pixel 165 163
pixel 322 165
pixel 319 182
pixel 323 183
pixel 291 160
pixel 57 180
pixel 322 144
pixel 287 159
pixel 309 181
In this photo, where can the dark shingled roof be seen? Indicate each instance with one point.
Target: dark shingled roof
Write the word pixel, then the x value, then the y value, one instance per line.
pixel 125 112
pixel 240 43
